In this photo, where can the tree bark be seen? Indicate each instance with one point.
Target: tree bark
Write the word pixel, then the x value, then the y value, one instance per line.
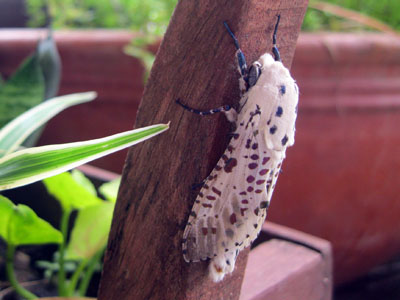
pixel 196 62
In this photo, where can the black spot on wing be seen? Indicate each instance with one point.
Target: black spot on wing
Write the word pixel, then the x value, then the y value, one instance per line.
pixel 279 111
pixel 284 140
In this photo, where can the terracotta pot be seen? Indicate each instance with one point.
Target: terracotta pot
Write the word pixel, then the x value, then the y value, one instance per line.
pixel 340 179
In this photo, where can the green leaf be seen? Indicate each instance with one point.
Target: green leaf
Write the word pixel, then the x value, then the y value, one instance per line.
pixel 14 133
pixel 33 164
pixel 50 65
pixel 6 210
pixel 24 227
pixel 110 189
pixel 90 232
pixel 83 181
pixel 22 91
pixel 69 193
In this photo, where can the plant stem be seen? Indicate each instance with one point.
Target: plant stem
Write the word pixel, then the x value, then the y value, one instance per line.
pixel 11 275
pixel 75 276
pixel 62 291
pixel 89 272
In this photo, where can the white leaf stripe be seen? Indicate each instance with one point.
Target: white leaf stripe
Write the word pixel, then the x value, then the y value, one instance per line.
pixel 33 164
pixel 16 131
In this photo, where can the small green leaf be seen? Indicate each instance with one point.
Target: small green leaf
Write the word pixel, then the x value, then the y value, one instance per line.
pixel 85 182
pixel 90 232
pixel 50 64
pixel 33 164
pixel 110 189
pixel 69 193
pixel 24 227
pixel 6 210
pixel 22 91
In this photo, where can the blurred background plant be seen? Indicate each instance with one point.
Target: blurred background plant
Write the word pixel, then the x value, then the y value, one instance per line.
pixel 152 16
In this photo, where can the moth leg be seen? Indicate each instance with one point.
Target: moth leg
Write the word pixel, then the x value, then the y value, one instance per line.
pixel 243 70
pixel 275 50
pixel 229 111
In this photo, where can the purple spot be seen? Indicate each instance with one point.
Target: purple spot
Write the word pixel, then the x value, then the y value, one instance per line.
pixel 204 230
pixel 252 166
pixel 263 171
pixel 261 181
pixel 248 142
pixel 230 164
pixel 245 201
pixel 258 191
pixel 254 157
pixel 250 178
pixel 232 218
pixel 255 146
pixel 209 197
pixel 265 160
pixel 250 189
pixel 217 191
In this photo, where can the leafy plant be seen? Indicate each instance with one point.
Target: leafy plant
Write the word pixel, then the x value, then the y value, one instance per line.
pixel 89 233
pixel 81 255
pixel 35 80
pixel 21 226
pixel 352 15
pixel 150 17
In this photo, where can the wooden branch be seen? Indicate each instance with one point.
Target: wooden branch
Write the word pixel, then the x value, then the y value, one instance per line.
pixel 196 63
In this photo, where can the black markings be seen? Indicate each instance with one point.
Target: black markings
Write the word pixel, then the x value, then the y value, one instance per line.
pixel 193 214
pixel 284 140
pixel 264 204
pixel 282 89
pixel 248 142
pixel 273 129
pixel 228 262
pixel 279 111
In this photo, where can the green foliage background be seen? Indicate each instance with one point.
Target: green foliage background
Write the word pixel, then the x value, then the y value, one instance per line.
pixel 152 16
pixel 386 11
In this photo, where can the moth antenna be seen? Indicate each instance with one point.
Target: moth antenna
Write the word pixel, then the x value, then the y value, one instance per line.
pixel 239 54
pixel 232 35
pixel 275 50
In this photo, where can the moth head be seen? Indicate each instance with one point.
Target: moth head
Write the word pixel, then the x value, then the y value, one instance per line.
pixel 254 74
pixel 256 68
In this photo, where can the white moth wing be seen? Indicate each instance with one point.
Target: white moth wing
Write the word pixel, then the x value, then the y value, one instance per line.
pixel 231 206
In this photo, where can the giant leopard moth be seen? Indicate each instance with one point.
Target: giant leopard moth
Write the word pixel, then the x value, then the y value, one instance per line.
pixel 232 204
